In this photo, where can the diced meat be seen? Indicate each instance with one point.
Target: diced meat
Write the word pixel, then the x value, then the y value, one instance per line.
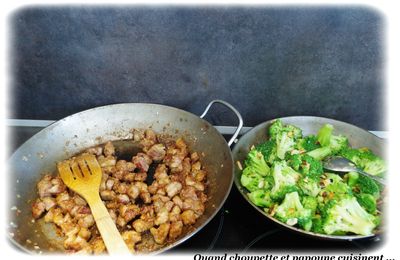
pixel 123 198
pixel 133 191
pixel 38 208
pixel 141 225
pixel 109 149
pixel 48 186
pixel 108 161
pixel 175 229
pixel 161 233
pixel 157 152
pixel 188 217
pixel 129 212
pixel 97 150
pixel 142 162
pixel 107 195
pixel 173 188
pixel 131 238
pixel 86 222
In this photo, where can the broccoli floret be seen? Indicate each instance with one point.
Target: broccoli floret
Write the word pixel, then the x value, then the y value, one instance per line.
pixel 366 160
pixel 320 153
pixel 275 128
pixel 255 159
pixel 352 178
pixel 347 216
pixel 284 144
pixel 285 179
pixel 335 185
pixel 368 202
pixel 268 149
pixel 292 212
pixel 309 186
pixel 307 143
pixel 310 203
pixel 324 134
pixel 338 142
pixel 317 224
pixel 252 180
pixel 260 198
pixel 305 164
pixel 363 184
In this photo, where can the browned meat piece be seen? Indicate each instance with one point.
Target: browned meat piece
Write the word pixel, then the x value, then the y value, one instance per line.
pixel 113 214
pixel 110 183
pixel 48 186
pixel 138 135
pixel 125 166
pixel 186 166
pixel 121 221
pixel 199 175
pixel 86 222
pixel 108 161
pixel 107 195
pixel 161 233
pixel 38 208
pixel 123 198
pixel 149 139
pixel 109 149
pixel 49 202
pixel 146 197
pixel 133 191
pixel 188 217
pixel 175 229
pixel 162 216
pixel 142 162
pixel 194 157
pixel 190 181
pixel 104 178
pixel 196 205
pixel 141 225
pixel 129 212
pixel 121 187
pixel 98 246
pixel 131 238
pixel 140 176
pixel 79 200
pixel 97 150
pixel 175 214
pixel 178 201
pixel 189 192
pixel 84 233
pixel 157 152
pixel 173 188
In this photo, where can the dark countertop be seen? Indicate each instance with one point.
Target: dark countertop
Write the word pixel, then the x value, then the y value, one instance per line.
pixel 267 61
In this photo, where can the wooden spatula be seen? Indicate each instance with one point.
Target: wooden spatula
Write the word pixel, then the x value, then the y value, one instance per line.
pixel 83 175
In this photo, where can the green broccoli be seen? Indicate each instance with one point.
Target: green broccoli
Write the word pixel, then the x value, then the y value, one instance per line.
pixel 277 127
pixel 366 160
pixel 305 164
pixel 292 212
pixel 307 143
pixel 324 135
pixel 284 144
pixel 251 180
pixel 310 203
pixel 260 198
pixel 347 216
pixel 320 153
pixel 285 179
pixel 255 159
pixel 368 202
pixel 363 184
pixel 268 149
pixel 334 186
pixel 309 186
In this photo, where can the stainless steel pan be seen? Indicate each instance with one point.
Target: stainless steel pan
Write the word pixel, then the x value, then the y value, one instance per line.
pixel 310 125
pixel 108 123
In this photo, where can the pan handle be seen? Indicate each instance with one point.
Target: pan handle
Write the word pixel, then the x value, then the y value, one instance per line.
pixel 231 108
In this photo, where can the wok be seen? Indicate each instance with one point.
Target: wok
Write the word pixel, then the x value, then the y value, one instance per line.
pixel 74 133
pixel 310 125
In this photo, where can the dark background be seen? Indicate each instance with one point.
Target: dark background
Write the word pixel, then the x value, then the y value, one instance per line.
pixel 267 62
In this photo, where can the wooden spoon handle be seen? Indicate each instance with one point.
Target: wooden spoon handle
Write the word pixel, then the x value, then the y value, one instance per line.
pixel 109 233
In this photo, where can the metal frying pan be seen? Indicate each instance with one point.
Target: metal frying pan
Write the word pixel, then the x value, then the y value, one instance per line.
pixel 310 125
pixel 74 133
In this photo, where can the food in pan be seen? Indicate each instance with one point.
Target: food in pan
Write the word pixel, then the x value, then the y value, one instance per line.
pixel 284 176
pixel 154 198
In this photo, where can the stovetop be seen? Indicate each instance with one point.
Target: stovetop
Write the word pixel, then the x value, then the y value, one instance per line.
pixel 237 226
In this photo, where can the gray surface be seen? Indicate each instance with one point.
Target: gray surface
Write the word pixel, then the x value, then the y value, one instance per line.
pixel 267 62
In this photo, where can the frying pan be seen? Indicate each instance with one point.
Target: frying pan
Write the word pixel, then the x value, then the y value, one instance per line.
pixel 74 133
pixel 310 125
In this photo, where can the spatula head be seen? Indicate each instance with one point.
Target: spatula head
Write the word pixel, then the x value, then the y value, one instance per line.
pixel 82 174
